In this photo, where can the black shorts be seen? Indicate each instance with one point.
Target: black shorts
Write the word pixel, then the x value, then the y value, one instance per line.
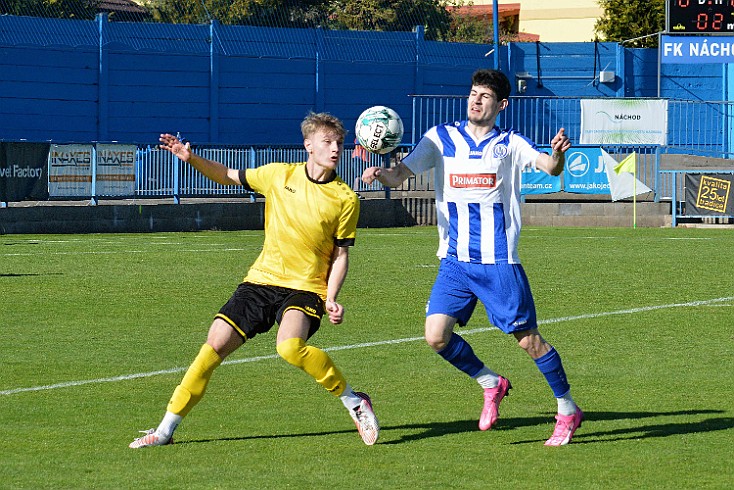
pixel 254 308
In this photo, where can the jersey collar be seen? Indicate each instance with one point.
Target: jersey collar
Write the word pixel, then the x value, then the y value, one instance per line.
pixel 311 179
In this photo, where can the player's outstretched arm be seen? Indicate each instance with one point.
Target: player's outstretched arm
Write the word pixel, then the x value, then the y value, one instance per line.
pixel 553 164
pixel 389 177
pixel 212 170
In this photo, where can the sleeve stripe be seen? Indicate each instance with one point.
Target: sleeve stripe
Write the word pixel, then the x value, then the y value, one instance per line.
pixel 344 242
pixel 243 180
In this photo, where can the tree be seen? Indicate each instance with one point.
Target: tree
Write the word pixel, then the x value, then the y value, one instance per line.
pixel 57 9
pixel 394 15
pixel 368 15
pixel 631 20
pixel 441 19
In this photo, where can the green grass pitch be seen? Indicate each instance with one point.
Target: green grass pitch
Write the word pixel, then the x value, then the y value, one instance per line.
pixel 98 329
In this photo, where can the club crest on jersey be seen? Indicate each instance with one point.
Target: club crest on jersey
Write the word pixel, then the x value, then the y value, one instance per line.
pixel 499 151
pixel 473 181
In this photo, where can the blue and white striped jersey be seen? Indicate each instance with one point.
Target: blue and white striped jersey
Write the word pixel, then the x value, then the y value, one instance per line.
pixel 477 189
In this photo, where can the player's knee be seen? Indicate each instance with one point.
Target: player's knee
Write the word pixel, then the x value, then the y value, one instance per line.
pixel 292 351
pixel 436 342
pixel 437 338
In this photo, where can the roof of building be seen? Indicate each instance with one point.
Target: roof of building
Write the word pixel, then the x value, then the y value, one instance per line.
pixel 503 12
pixel 121 6
pixel 506 10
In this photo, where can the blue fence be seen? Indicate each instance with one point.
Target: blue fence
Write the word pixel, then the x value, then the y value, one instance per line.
pixel 704 128
pixel 160 174
pixel 695 128
pixel 74 80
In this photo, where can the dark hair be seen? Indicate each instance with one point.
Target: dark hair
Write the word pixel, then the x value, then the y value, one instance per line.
pixel 493 79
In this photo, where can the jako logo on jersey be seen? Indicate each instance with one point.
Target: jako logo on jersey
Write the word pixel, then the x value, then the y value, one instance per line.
pixel 290 189
pixel 473 181
pixel 499 151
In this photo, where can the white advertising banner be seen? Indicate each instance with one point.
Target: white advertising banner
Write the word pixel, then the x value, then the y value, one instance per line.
pixel 624 121
pixel 115 170
pixel 70 171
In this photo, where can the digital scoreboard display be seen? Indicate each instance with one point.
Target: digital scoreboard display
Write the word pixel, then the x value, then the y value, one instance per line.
pixel 705 16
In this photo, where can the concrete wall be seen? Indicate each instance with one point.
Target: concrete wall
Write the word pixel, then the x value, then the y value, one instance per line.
pixel 591 214
pixel 375 213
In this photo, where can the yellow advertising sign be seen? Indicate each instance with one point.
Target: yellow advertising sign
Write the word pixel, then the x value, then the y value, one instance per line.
pixel 713 194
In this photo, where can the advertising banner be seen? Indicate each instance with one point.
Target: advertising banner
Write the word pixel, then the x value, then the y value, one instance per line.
pixel 624 121
pixel 115 170
pixel 585 172
pixel 23 171
pixel 70 171
pixel 539 182
pixel 710 195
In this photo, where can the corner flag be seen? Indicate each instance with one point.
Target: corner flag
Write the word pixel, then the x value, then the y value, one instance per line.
pixel 621 175
pixel 626 165
pixel 623 181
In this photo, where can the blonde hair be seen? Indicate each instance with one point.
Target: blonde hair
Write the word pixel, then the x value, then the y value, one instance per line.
pixel 322 121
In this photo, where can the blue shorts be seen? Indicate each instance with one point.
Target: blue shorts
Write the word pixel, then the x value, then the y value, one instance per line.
pixel 503 289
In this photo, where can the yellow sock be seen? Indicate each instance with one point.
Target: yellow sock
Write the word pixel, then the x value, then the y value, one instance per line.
pixel 193 384
pixel 314 362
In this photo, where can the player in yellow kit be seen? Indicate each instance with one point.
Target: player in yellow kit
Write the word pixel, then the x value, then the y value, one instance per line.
pixel 310 223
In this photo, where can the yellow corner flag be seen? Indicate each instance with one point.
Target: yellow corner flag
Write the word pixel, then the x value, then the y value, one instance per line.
pixel 626 165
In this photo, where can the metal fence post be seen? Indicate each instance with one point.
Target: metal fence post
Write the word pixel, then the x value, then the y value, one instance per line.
pixel 104 79
pixel 657 179
pixel 177 181
pixel 386 164
pixel 94 200
pixel 674 199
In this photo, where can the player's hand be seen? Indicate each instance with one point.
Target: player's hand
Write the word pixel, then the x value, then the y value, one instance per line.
pixel 371 174
pixel 560 142
pixel 174 145
pixel 335 311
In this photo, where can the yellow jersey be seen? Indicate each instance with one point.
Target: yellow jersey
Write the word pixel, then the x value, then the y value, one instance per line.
pixel 304 220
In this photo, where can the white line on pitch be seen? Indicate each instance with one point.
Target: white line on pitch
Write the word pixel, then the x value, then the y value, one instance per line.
pixel 126 377
pixel 110 252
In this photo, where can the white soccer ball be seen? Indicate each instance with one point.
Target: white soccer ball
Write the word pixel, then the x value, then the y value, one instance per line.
pixel 379 129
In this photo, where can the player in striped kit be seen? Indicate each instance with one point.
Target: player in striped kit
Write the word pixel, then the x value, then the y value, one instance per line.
pixel 477 169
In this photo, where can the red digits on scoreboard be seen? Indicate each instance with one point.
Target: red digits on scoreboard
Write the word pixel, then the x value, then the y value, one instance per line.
pixel 702 21
pixel 718 21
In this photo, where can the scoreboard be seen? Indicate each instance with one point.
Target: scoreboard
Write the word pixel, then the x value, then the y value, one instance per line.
pixel 700 16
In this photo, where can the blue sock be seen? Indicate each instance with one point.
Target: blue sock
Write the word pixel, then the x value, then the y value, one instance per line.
pixel 552 368
pixel 460 354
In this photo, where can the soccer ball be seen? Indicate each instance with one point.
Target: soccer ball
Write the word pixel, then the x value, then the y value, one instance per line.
pixel 379 129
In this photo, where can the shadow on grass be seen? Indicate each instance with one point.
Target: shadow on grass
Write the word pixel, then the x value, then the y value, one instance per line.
pixel 269 436
pixel 439 429
pixel 11 274
pixel 642 430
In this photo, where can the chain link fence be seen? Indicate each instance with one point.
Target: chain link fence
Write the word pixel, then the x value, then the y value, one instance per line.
pixel 442 20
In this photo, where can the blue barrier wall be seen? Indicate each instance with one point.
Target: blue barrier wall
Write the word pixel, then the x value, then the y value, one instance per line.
pixel 85 81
